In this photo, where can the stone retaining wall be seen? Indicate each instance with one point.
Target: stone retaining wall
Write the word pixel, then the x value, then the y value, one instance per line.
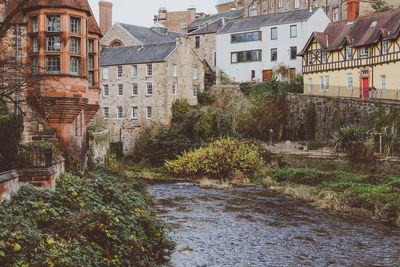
pixel 99 144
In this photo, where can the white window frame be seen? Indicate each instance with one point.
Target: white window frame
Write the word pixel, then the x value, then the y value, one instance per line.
pixel 195 89
pixel 383 82
pixel 105 73
pixel 280 4
pixel 194 73
pixel 137 89
pixel 120 72
pixel 349 81
pixel 134 70
pixel 335 14
pixel 174 89
pixel 120 86
pixel 149 70
pixel 309 58
pixel 174 70
pixel 296 3
pixel 134 112
pixel 324 57
pixel 291 32
pixel 349 53
pixel 104 91
pixel 384 47
pixel 363 51
pixel 106 115
pixel 147 89
pixel 118 113
pixel 149 112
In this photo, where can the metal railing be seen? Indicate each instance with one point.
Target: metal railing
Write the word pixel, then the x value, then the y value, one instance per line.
pixel 33 157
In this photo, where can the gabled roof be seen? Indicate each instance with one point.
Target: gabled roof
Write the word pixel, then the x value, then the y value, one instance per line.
pixel 386 25
pixel 202 21
pixel 147 36
pixel 213 27
pixel 254 23
pixel 151 53
pixel 82 5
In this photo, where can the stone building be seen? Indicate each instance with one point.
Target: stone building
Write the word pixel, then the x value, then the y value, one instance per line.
pixel 143 70
pixel 60 42
pixel 176 20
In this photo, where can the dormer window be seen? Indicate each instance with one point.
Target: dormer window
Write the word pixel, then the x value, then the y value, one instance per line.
pixel 373 24
pixel 53 23
pixel 349 53
pixel 384 48
pixel 363 51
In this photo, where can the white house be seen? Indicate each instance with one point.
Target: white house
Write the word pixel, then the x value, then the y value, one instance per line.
pixel 250 49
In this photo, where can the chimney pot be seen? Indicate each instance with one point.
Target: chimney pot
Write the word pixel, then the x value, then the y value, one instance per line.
pixel 353 10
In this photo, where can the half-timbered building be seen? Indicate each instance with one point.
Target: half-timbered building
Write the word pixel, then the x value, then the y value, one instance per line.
pixel 355 58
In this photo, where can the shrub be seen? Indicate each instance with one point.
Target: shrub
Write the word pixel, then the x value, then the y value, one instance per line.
pixel 180 109
pixel 101 219
pixel 219 159
pixel 117 148
pixel 139 151
pixel 205 98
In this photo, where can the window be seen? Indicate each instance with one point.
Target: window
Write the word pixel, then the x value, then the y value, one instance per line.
pixel 335 14
pixel 135 89
pixel 296 3
pixel 120 89
pixel 274 33
pixel 91 78
pixel 134 70
pixel 194 90
pixel 149 70
pixel 245 37
pixel 252 11
pixel 272 3
pixel 280 4
pixel 363 51
pixel 309 58
pixel 274 54
pixel 321 83
pixel 53 64
pixel 34 45
pixel 53 23
pixel 35 67
pixel 253 74
pixel 293 31
pixel 326 83
pixel 106 91
pixel 149 89
pixel 105 73
pixel 174 88
pixel 194 73
pixel 91 62
pixel 197 41
pixel 246 56
pixel 349 53
pixel 174 72
pixel 323 57
pixel 293 52
pixel 384 47
pixel 310 85
pixel 148 113
pixel 119 113
pixel 349 81
pixel 134 112
pixel 91 46
pixel 74 65
pixel 383 82
pixel 34 24
pixel 106 112
pixel 53 43
pixel 74 25
pixel 74 45
pixel 119 72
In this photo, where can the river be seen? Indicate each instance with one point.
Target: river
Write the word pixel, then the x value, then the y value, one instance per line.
pixel 253 226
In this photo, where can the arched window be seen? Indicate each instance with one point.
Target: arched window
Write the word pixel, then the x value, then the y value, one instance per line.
pixel 116 43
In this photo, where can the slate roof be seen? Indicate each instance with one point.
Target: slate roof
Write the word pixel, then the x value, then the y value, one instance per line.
pixel 146 35
pixel 201 21
pixel 213 27
pixel 138 54
pixel 360 33
pixel 254 23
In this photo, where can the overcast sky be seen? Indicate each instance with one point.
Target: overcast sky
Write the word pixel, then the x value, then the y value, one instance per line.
pixel 141 12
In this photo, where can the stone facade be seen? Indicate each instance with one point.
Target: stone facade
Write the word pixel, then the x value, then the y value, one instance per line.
pixel 118 33
pixel 178 20
pixel 99 145
pixel 206 48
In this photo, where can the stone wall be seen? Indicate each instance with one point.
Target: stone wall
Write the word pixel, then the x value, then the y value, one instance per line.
pixel 332 113
pixel 99 144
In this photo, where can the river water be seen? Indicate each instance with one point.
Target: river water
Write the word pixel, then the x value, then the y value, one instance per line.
pixel 252 226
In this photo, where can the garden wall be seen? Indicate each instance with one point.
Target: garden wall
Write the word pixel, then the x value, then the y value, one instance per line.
pixel 332 113
pixel 99 144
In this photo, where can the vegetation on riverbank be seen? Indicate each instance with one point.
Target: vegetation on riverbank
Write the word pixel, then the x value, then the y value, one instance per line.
pixel 99 218
pixel 357 193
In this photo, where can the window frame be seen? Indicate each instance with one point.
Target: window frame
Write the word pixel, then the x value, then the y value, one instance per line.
pixel 244 57
pixel 276 54
pixel 291 33
pixel 350 81
pixel 197 42
pixel 363 51
pixel 291 53
pixel 35 44
pixel 274 29
pixel 108 90
pixel 310 85
pixel 91 62
pixel 324 57
pixel 106 115
pixel 149 70
pixel 134 70
pixel 384 47
pixel 120 72
pixel 133 89
pixel 120 117
pixel 51 41
pixel 74 26
pixel 74 45
pixel 35 24
pixel 91 78
pixel 120 89
pixel 174 89
pixel 105 73
pixel 57 71
pixel 174 70
pixel 195 90
pixel 149 112
pixel 309 58
pixel 134 112
pixel 194 73
pixel 74 69
pixel 348 50
pixel 296 4
pixel 245 37
pixel 149 88
pixel 383 83
pixel 54 27
pixel 335 15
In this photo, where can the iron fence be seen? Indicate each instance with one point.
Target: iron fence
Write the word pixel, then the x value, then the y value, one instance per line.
pixel 34 157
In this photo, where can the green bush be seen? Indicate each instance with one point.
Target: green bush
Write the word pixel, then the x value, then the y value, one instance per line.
pixel 117 148
pixel 219 159
pixel 205 98
pixel 139 151
pixel 180 109
pixel 100 219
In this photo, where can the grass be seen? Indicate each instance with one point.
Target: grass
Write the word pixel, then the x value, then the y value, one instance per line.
pixel 369 194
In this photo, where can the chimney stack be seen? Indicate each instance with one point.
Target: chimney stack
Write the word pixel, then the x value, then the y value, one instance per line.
pixel 105 16
pixel 353 10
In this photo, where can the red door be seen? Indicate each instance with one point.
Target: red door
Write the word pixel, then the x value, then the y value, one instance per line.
pixel 267 74
pixel 365 88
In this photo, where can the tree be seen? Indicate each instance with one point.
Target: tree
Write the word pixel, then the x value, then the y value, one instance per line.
pixel 380 6
pixel 6 23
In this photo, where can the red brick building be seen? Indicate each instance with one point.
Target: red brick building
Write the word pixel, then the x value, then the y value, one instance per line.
pixel 59 40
